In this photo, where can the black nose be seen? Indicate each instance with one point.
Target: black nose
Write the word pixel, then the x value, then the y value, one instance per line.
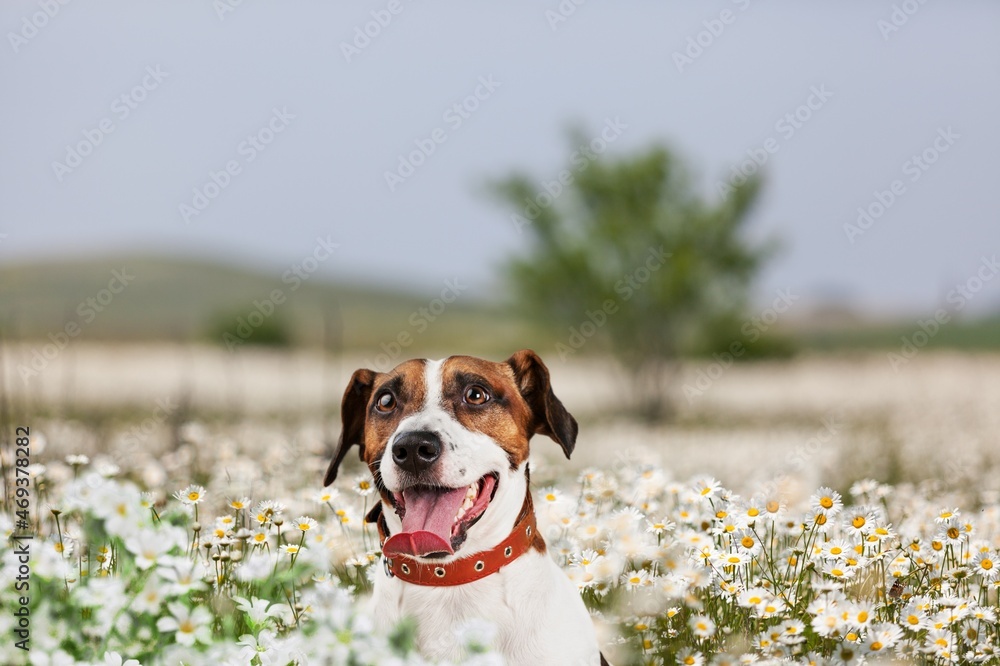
pixel 416 451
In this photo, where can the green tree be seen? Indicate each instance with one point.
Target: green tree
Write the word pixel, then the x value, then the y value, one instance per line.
pixel 631 247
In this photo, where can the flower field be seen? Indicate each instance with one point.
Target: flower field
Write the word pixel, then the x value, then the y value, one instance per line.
pixel 169 535
pixel 674 571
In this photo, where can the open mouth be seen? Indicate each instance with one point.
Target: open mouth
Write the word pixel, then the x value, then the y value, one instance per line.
pixel 435 519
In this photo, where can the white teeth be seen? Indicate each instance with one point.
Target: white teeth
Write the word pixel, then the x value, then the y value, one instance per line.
pixel 470 499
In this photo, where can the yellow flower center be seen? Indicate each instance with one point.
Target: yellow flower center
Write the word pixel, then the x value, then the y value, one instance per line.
pixel 858 522
pixel 953 532
pixel 773 506
pixel 826 502
pixel 193 496
pixel 753 512
pixel 986 564
pixel 876 646
pixel 746 542
pixel 820 519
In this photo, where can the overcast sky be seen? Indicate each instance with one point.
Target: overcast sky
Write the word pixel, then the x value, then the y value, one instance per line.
pixel 183 85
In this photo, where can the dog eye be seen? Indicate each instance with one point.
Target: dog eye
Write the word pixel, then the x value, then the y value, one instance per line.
pixel 476 395
pixel 385 402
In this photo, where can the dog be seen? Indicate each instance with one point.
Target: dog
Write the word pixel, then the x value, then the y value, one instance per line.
pixel 447 444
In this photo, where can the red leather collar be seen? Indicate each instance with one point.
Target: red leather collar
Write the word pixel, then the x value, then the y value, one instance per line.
pixel 466 569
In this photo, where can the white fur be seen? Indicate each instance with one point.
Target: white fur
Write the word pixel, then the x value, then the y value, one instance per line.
pixel 538 613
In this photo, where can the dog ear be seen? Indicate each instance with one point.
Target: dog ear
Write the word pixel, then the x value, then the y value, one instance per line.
pixel 549 416
pixel 353 409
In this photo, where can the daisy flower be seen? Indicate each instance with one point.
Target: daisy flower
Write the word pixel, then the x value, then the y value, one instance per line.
pixel 826 501
pixel 363 485
pixel 791 632
pixel 951 532
pixel 259 537
pixel 689 657
pixel 835 548
pixel 838 571
pixel 828 623
pixel 858 520
pixel 913 618
pixel 305 523
pixel 860 616
pixel 326 496
pixel 946 515
pixel 258 610
pixel 636 579
pixel 706 487
pixel 746 540
pixel 660 526
pixel 732 559
pixel 702 626
pixel 191 625
pixel 193 494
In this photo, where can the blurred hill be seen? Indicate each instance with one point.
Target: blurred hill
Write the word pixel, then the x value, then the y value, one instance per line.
pixel 184 300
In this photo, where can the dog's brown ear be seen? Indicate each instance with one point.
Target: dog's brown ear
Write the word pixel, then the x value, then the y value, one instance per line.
pixel 549 416
pixel 352 414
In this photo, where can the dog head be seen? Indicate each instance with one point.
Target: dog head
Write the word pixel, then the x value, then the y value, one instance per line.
pixel 447 444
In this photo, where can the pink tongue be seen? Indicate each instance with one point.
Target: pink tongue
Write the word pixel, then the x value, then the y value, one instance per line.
pixel 427 523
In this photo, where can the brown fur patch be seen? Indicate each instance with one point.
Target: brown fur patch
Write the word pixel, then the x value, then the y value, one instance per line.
pixel 406 383
pixel 505 417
